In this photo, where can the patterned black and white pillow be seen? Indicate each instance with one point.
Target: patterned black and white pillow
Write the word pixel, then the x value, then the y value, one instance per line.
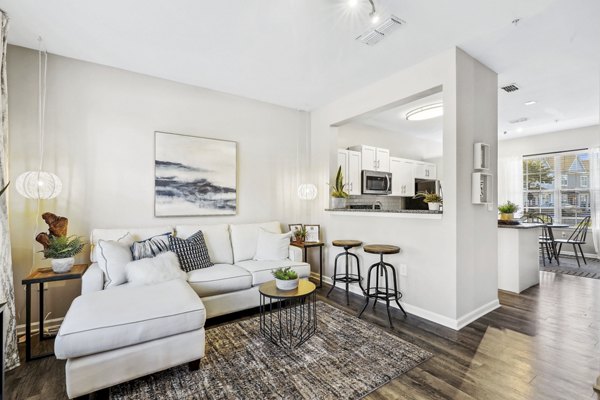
pixel 150 247
pixel 192 252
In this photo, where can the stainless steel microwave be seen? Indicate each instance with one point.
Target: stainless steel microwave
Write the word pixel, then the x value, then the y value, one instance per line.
pixel 376 182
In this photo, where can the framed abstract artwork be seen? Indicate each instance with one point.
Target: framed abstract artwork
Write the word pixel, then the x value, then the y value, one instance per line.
pixel 194 176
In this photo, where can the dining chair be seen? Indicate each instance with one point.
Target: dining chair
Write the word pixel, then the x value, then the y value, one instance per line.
pixel 546 239
pixel 576 239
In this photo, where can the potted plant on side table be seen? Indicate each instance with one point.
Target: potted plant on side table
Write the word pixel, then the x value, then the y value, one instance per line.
pixel 285 278
pixel 507 210
pixel 61 251
pixel 338 194
pixel 433 200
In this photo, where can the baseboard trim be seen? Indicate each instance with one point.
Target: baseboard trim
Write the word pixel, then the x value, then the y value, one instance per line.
pixel 477 313
pixel 455 324
pixel 49 323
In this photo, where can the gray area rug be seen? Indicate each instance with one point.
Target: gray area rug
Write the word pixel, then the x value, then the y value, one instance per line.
pixel 568 266
pixel 347 358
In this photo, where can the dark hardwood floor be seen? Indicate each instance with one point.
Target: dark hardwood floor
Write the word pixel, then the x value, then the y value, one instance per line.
pixel 542 344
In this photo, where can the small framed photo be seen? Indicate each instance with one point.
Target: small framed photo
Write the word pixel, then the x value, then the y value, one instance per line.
pixel 295 229
pixel 313 233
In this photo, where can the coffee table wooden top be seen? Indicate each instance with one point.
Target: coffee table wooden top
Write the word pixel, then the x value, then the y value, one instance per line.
pixel 346 243
pixel 381 249
pixel 270 290
pixel 47 275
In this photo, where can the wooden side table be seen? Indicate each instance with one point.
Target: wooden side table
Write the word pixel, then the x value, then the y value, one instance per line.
pixel 41 276
pixel 308 245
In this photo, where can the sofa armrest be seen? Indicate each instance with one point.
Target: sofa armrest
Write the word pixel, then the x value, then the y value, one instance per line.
pixel 92 280
pixel 295 254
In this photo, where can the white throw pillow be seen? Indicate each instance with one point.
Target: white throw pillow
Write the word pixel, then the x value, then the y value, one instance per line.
pixel 112 257
pixel 272 246
pixel 147 271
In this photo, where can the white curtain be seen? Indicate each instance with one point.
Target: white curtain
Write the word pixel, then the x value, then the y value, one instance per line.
pixel 510 180
pixel 595 196
pixel 7 293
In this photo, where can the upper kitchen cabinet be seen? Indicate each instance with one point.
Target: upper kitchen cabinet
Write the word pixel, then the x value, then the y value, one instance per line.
pixel 403 177
pixel 425 170
pixel 350 161
pixel 373 158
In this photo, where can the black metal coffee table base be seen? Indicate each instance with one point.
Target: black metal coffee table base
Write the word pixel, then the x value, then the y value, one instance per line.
pixel 288 322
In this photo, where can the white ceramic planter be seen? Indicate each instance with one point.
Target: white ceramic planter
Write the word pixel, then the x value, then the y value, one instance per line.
pixel 434 206
pixel 286 284
pixel 62 265
pixel 338 202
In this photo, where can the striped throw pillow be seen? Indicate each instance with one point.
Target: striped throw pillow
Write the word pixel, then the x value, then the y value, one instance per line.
pixel 150 247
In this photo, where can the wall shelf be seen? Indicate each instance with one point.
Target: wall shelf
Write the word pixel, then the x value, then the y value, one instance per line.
pixel 481 183
pixel 481 157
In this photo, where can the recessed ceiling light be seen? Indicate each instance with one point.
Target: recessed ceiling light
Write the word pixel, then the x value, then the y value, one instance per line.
pixel 530 102
pixel 519 130
pixel 375 19
pixel 426 112
pixel 352 3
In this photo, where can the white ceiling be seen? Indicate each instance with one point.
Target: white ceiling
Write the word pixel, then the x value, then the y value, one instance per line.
pixel 302 54
pixel 395 120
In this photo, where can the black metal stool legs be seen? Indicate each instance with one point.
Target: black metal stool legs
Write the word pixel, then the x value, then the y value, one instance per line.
pixel 386 293
pixel 346 277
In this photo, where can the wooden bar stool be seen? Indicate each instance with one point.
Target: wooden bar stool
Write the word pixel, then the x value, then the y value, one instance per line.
pixel 347 277
pixel 382 269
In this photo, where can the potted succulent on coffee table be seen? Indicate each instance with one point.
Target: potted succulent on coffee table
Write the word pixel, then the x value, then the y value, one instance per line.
pixel 285 278
pixel 338 194
pixel 61 251
pixel 433 200
pixel 507 210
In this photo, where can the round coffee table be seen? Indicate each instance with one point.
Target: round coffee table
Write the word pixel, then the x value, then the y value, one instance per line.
pixel 288 318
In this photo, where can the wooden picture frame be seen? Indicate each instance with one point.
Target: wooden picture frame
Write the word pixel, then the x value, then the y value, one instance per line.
pixel 293 229
pixel 313 233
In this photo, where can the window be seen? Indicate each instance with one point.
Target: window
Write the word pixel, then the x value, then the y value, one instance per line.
pixel 567 202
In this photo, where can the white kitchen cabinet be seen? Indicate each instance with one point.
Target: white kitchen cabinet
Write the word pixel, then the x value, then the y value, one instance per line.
pixel 350 161
pixel 425 171
pixel 403 176
pixel 373 158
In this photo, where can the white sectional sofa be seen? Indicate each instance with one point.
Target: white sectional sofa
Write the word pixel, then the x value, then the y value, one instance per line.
pixel 113 335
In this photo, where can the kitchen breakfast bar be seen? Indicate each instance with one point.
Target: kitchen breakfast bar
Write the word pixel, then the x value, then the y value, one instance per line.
pixel 518 256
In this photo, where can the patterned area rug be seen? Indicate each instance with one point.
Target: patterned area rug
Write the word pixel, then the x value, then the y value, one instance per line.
pixel 568 266
pixel 347 358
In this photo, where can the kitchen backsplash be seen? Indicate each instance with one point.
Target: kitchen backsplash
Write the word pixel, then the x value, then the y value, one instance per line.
pixel 388 202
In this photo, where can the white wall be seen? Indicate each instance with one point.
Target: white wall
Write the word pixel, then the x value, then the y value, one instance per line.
pixel 401 144
pixel 100 141
pixel 429 247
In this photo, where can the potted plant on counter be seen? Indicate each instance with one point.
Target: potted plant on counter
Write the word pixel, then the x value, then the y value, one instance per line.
pixel 61 251
pixel 507 211
pixel 433 200
pixel 285 278
pixel 338 194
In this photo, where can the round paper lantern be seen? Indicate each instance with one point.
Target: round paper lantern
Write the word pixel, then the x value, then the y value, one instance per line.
pixel 38 185
pixel 307 191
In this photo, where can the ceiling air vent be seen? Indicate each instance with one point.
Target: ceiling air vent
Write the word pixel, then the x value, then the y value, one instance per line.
pixel 518 120
pixel 510 88
pixel 381 31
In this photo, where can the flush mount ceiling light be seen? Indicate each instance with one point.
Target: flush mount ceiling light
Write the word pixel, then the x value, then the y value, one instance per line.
pixel 426 112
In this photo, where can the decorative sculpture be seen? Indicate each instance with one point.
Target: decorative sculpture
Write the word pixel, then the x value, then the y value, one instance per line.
pixel 57 227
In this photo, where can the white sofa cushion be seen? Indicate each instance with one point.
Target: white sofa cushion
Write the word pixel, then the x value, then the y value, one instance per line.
pixel 219 279
pixel 261 270
pixel 124 316
pixel 112 257
pixel 137 234
pixel 216 238
pixel 148 271
pixel 244 238
pixel 272 246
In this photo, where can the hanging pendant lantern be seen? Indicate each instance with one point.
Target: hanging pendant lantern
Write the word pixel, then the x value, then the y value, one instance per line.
pixel 38 185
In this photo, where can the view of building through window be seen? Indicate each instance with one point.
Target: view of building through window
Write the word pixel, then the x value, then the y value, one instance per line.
pixel 567 201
